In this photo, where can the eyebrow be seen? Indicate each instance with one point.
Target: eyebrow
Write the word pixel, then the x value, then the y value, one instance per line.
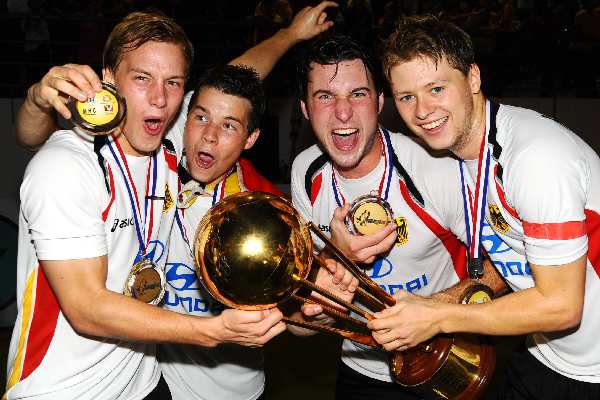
pixel 325 91
pixel 428 85
pixel 230 118
pixel 141 71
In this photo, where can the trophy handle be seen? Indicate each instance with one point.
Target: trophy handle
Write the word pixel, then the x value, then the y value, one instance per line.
pixel 373 292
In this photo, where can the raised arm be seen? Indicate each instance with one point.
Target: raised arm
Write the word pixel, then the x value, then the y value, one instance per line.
pixel 309 22
pixel 36 118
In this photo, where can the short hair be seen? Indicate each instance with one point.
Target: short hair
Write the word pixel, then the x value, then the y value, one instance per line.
pixel 236 80
pixel 428 36
pixel 331 49
pixel 138 28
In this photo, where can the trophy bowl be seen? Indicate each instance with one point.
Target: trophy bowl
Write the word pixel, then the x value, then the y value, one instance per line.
pixel 251 249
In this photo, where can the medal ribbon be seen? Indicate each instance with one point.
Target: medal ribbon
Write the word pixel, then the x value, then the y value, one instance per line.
pixel 140 228
pixel 384 185
pixel 475 208
pixel 218 195
pixel 219 189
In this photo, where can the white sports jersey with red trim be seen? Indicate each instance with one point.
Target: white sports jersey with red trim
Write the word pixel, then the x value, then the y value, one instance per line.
pixel 77 203
pixel 420 189
pixel 228 371
pixel 544 201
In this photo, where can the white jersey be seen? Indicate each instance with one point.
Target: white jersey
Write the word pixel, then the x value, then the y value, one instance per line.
pixel 543 201
pixel 193 372
pixel 427 206
pixel 78 203
pixel 228 371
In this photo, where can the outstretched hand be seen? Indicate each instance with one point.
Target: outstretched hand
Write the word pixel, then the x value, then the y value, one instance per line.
pixel 361 249
pixel 311 21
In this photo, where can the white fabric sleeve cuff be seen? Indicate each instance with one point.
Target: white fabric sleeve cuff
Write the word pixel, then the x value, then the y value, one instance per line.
pixel 555 252
pixel 71 248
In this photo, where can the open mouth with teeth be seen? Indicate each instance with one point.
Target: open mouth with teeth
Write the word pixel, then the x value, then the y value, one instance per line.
pixel 345 139
pixel 153 126
pixel 435 124
pixel 204 160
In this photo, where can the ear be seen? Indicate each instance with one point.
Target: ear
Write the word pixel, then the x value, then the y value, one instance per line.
pixel 252 138
pixel 380 100
pixel 474 78
pixel 303 108
pixel 107 75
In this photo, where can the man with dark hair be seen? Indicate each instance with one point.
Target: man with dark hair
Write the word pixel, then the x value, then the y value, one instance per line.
pixel 536 184
pixel 355 157
pixel 222 121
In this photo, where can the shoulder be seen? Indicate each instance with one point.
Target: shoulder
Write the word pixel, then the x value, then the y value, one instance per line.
pixel 535 141
pixel 306 158
pixel 66 154
pixel 420 162
pixel 254 181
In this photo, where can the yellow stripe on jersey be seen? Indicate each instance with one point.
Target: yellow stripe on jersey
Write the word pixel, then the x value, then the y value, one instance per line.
pixel 28 302
pixel 232 184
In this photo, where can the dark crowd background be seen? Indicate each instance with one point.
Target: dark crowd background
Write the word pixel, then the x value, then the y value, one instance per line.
pixel 524 47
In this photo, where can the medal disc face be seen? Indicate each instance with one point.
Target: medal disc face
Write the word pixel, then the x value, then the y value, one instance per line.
pixel 477 294
pixel 145 283
pixel 368 214
pixel 100 113
pixel 479 297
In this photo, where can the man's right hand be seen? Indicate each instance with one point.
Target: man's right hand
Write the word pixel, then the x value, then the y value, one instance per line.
pixel 361 249
pixel 60 83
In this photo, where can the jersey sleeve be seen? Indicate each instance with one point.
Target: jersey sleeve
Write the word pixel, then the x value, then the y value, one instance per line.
pixel 547 183
pixel 444 192
pixel 175 133
pixel 61 201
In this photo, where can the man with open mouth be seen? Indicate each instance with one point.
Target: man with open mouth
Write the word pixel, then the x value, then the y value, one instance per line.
pixel 355 156
pixel 78 187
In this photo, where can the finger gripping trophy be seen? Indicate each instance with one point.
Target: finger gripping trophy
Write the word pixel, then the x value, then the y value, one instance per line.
pixel 253 251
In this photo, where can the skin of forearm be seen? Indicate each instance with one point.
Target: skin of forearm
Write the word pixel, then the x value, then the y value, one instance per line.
pixel 34 124
pixel 507 315
pixel 491 278
pixel 109 314
pixel 265 55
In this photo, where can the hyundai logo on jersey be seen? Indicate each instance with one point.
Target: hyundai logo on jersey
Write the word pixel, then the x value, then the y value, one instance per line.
pixel 181 277
pixel 491 241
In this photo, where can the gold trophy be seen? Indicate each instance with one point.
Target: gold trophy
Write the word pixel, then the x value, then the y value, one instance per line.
pixel 252 251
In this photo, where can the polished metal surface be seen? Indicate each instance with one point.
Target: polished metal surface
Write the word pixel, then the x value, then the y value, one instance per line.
pixel 250 248
pixel 253 251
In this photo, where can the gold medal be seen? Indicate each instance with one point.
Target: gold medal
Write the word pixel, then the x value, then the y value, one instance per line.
pixel 146 282
pixel 368 214
pixel 477 294
pixel 101 113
